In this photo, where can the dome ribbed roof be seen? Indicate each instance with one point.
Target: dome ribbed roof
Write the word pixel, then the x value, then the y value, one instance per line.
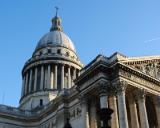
pixel 56 38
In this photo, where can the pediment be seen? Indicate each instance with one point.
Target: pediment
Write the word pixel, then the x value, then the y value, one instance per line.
pixel 148 67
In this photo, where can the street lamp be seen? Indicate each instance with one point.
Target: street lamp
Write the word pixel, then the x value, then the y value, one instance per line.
pixel 67 125
pixel 105 117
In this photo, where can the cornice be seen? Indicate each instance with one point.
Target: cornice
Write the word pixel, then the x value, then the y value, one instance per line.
pixel 46 60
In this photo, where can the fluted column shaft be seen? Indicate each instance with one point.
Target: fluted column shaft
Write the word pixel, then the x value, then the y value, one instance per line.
pixel 52 80
pixel 49 77
pixel 26 84
pixel 69 77
pixel 42 78
pixel 133 112
pixel 113 106
pixel 55 75
pixel 122 110
pixel 74 74
pixel 157 108
pixel 140 96
pixel 62 77
pixel 30 80
pixel 35 79
pixel 23 86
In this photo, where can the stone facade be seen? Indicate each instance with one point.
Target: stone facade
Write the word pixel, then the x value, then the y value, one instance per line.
pixel 57 87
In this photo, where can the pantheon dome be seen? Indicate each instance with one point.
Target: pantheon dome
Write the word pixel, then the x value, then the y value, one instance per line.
pixel 56 38
pixel 51 70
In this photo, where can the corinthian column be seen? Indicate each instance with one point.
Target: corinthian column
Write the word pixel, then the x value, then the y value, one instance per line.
pixel 49 77
pixel 30 80
pixel 113 106
pixel 42 78
pixel 123 120
pixel 140 97
pixel 26 84
pixel 55 75
pixel 62 77
pixel 69 77
pixel 133 112
pixel 157 108
pixel 35 79
pixel 23 86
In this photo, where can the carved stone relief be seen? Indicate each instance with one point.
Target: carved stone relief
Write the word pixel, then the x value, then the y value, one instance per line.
pixel 151 69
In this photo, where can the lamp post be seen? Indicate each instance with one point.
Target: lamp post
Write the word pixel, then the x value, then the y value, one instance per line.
pixel 105 117
pixel 67 125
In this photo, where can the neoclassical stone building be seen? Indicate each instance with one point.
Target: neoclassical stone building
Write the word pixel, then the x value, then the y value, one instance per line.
pixel 57 87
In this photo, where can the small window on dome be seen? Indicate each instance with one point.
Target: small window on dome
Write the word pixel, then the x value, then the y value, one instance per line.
pixel 59 51
pixel 49 51
pixel 49 42
pixel 67 53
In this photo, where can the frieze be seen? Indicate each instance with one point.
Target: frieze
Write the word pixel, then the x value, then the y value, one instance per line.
pixel 151 68
pixel 139 80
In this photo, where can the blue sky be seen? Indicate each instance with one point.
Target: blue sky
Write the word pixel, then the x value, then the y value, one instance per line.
pixel 95 26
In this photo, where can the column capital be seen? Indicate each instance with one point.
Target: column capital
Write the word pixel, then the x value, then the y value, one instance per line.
pixel 140 94
pixel 103 87
pixel 120 86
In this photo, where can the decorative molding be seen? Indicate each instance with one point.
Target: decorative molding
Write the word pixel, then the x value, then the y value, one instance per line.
pixel 103 88
pixel 151 68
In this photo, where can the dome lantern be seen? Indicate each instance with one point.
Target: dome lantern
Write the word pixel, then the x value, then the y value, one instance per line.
pixel 56 22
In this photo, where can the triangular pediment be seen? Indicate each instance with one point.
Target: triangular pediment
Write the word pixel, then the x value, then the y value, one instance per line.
pixel 147 65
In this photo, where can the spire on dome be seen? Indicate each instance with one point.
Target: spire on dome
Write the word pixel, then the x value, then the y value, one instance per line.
pixel 56 22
